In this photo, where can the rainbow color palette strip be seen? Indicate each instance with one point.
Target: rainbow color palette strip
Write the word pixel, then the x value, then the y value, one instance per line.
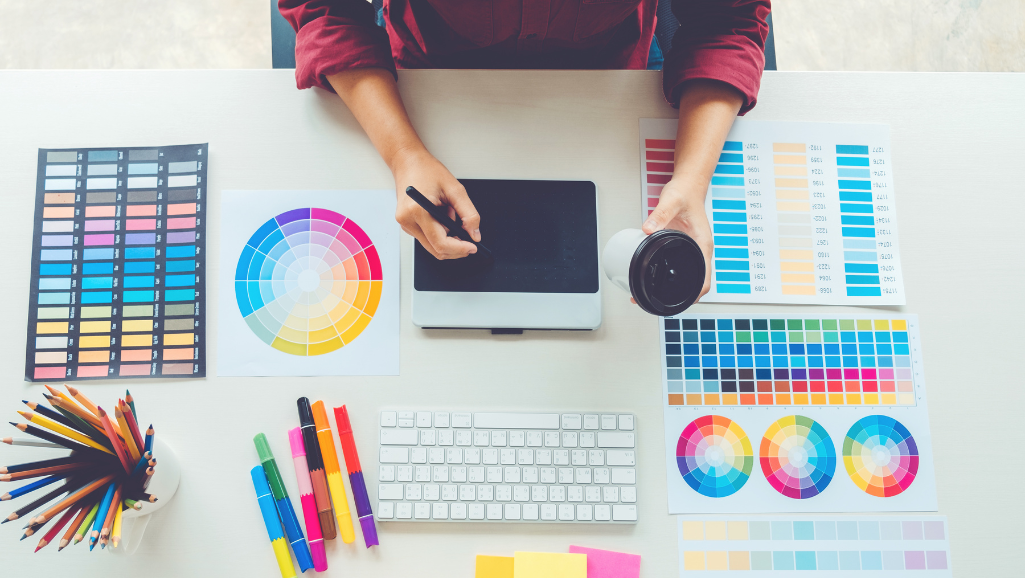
pixel 775 360
pixel 888 546
pixel 118 264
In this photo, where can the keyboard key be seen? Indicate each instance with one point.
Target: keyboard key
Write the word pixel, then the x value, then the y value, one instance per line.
pixel 516 439
pixel 508 457
pixel 445 437
pixel 623 513
pixel 404 473
pixel 432 492
pixel 454 456
pixel 624 476
pixel 596 458
pixel 569 439
pixel 512 511
pixel 566 512
pixel 583 475
pixel 547 475
pixel 458 511
pixel 439 474
pixel 476 475
pixel 584 513
pixel 448 492
pixel 626 422
pixel 548 511
pixel 490 456
pixel 398 437
pixel 494 474
pixel 571 421
pixel 388 419
pixel 404 510
pixel 530 475
pixel 530 511
pixel 610 494
pixel 575 494
pixel 561 457
pixel 422 511
pixel 405 419
pixel 620 458
pixel 423 419
pixel 608 439
pixel 565 475
pixel 525 457
pixel 587 439
pixel 464 438
pixel 494 511
pixel 418 455
pixel 557 493
pixel 439 511
pixel 601 475
pixel 394 455
pixel 498 439
pixel 543 457
pixel 481 438
pixel 459 474
pixel 539 493
pixel 608 421
pixel 471 456
pixel 592 494
pixel 590 421
pixel 462 420
pixel 512 475
pixel 516 420
pixel 534 439
pixel 441 419
pixel 428 437
pixel 422 473
pixel 468 493
pixel 387 474
pixel 386 510
pixel 551 439
pixel 436 456
pixel 485 493
pixel 389 491
pixel 476 511
pixel 603 512
pixel 414 492
pixel 579 457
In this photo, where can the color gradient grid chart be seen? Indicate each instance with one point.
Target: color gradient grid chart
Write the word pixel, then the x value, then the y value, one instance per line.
pixel 762 360
pixel 308 281
pixel 118 264
pixel 889 546
pixel 800 212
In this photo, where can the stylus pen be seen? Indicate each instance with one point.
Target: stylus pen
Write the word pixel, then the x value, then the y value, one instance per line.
pixel 440 214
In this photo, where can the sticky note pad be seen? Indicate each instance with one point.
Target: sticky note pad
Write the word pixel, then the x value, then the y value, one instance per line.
pixel 549 565
pixel 608 564
pixel 494 567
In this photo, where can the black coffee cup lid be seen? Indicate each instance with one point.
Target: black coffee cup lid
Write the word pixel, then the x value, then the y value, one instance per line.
pixel 667 272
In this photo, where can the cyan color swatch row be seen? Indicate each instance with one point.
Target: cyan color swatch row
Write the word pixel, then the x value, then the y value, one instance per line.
pixel 118 264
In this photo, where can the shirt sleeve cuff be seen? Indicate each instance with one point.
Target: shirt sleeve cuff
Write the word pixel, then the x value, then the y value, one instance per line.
pixel 329 45
pixel 739 66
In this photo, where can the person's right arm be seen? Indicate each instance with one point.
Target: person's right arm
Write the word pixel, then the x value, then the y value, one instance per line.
pixel 340 48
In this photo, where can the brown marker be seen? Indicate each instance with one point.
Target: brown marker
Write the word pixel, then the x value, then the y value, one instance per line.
pixel 315 461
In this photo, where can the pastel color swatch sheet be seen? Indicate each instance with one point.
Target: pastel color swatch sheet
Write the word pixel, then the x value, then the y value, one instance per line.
pixel 494 567
pixel 549 565
pixel 802 413
pixel 800 212
pixel 609 564
pixel 118 264
pixel 843 546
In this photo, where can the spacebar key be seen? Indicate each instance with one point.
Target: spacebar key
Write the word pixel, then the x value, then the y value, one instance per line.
pixel 516 420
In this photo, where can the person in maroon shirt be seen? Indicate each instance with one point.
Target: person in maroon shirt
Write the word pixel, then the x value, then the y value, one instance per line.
pixel 712 74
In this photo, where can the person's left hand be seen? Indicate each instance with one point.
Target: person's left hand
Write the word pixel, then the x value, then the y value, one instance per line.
pixel 682 207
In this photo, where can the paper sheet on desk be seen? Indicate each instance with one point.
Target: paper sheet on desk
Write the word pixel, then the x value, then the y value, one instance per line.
pixel 309 283
pixel 608 564
pixel 549 565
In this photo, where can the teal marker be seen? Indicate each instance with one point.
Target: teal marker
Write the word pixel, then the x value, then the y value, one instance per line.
pixel 293 530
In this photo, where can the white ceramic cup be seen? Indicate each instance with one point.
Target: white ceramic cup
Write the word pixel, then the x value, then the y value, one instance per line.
pixel 164 485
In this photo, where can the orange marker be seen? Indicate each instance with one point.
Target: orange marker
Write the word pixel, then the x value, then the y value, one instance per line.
pixel 334 473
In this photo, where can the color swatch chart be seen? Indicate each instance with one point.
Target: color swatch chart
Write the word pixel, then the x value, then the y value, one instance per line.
pixel 835 545
pixel 727 360
pixel 800 212
pixel 118 264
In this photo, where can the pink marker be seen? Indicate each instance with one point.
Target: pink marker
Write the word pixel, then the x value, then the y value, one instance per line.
pixel 309 503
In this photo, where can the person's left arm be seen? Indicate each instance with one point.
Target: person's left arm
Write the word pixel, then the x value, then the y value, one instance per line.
pixel 712 73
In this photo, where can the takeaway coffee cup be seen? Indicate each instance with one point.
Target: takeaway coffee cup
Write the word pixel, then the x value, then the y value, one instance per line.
pixel 663 271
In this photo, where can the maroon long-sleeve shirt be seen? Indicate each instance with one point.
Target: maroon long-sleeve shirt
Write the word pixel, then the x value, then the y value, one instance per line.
pixel 718 39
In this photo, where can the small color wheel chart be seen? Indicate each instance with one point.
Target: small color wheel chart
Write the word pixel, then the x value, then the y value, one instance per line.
pixel 308 281
pixel 797 457
pixel 714 456
pixel 880 456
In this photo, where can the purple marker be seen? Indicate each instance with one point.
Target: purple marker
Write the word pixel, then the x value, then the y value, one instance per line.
pixel 359 487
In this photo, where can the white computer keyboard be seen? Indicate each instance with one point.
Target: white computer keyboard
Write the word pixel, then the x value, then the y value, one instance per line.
pixel 518 467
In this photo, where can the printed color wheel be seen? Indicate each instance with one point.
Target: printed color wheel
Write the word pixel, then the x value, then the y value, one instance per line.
pixel 308 281
pixel 714 456
pixel 797 457
pixel 880 455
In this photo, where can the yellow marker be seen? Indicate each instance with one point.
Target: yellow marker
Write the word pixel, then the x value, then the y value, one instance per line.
pixel 335 483
pixel 64 431
pixel 115 532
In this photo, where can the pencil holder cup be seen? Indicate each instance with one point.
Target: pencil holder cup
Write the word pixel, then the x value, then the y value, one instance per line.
pixel 163 485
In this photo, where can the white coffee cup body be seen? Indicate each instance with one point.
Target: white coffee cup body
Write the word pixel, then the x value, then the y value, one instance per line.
pixel 618 254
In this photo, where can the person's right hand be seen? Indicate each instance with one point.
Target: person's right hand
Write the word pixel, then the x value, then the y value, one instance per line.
pixel 421 170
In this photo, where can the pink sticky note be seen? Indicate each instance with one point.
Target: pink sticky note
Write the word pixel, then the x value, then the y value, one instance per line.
pixel 608 564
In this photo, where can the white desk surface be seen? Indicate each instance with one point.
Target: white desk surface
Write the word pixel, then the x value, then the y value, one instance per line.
pixel 958 151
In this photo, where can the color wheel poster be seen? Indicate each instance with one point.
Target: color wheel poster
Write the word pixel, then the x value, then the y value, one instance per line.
pixel 309 283
pixel 773 413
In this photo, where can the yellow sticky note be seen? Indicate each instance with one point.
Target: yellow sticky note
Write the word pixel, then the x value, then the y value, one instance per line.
pixel 494 567
pixel 549 565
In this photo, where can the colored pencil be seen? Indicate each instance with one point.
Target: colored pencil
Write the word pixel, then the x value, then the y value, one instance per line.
pixel 83 511
pixel 27 442
pixel 83 530
pixel 40 464
pixel 101 515
pixel 131 403
pixel 31 487
pixel 309 503
pixel 63 404
pixel 74 497
pixel 52 437
pixel 134 504
pixel 108 524
pixel 315 462
pixel 133 426
pixel 85 401
pixel 38 473
pixel 272 522
pixel 335 481
pixel 47 412
pixel 62 396
pixel 30 507
pixel 53 531
pixel 115 532
pixel 293 531
pixel 148 444
pixel 356 481
pixel 142 497
pixel 109 428
pixel 126 434
pixel 63 430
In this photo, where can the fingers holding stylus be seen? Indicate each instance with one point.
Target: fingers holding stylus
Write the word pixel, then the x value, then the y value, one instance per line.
pixel 435 239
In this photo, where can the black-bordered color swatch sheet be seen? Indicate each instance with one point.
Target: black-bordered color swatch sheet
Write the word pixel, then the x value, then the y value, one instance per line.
pixel 118 264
